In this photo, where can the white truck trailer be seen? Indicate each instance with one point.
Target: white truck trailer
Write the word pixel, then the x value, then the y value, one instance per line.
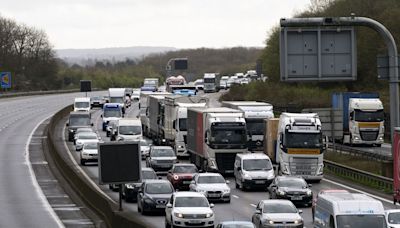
pixel 144 109
pixel 174 130
pixel 255 113
pixel 214 137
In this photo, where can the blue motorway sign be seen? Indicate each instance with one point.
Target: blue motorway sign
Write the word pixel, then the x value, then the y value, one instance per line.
pixel 5 78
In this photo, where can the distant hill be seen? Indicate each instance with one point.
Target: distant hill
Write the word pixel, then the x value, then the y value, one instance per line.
pixel 90 56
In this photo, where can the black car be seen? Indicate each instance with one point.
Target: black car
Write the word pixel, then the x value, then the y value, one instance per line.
pixel 153 196
pixel 292 188
pixel 131 190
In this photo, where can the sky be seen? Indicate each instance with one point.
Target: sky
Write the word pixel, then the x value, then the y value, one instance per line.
pixel 173 23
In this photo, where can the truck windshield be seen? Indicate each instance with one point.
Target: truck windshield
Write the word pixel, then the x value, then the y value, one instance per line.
pixel 303 140
pixel 361 221
pixel 150 83
pixel 209 80
pixel 79 120
pixel 364 116
pixel 256 164
pixel 81 104
pixel 255 126
pixel 119 100
pixel 115 112
pixel 130 130
pixel 228 136
pixel 182 124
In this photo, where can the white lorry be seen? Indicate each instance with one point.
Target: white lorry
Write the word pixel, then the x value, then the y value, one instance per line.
pixel 144 109
pixel 210 83
pixel 300 145
pixel 174 129
pixel 82 104
pixel 214 137
pixel 117 95
pixel 255 113
pixel 128 129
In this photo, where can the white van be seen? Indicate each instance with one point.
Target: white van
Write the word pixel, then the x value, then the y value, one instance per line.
pixel 128 129
pixel 253 170
pixel 348 210
pixel 82 104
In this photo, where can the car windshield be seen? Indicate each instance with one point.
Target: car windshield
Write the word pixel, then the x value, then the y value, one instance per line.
pixel 191 202
pixel 361 221
pixel 211 180
pixel 249 225
pixel 364 116
pixel 394 218
pixel 185 169
pixel 90 146
pixel 292 183
pixel 87 136
pixel 162 153
pixel 115 112
pixel 82 104
pixel 182 124
pixel 79 120
pixel 119 100
pixel 159 188
pixel 149 175
pixel 303 140
pixel 255 126
pixel 130 130
pixel 279 208
pixel 256 164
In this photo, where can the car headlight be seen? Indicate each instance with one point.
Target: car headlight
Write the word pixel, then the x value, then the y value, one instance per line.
pixel 280 192
pixel 180 147
pixel 130 186
pixel 298 221
pixel 154 161
pixel 227 190
pixel 209 215
pixel 148 200
pixel 309 192
pixel 176 177
pixel 178 215
pixel 79 143
pixel 70 130
pixel 269 222
pixel 119 138
pixel 247 176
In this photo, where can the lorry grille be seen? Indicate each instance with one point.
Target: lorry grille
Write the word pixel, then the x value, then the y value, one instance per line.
pixel 225 162
pixel 303 166
pixel 369 135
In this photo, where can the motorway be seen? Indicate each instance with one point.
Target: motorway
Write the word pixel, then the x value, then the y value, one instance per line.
pixel 22 202
pixel 242 204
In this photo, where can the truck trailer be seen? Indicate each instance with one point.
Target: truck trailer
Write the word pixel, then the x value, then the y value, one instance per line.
pixel 363 117
pixel 214 137
pixel 255 113
pixel 144 109
pixel 117 95
pixel 174 130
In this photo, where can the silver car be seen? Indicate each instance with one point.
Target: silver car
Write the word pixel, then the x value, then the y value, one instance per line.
pixel 277 213
pixel 161 158
pixel 212 185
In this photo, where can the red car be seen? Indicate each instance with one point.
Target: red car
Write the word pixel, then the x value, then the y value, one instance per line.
pixel 181 175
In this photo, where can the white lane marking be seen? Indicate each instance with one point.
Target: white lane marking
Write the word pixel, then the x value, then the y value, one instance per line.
pixel 356 190
pixel 235 196
pixel 35 183
pixel 253 205
pixel 81 170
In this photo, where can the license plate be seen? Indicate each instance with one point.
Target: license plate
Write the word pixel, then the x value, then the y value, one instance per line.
pixel 160 206
pixel 186 182
pixel 213 195
pixel 194 221
pixel 260 182
pixel 297 198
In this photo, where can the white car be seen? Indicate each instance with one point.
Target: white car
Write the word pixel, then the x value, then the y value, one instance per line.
pixel 211 185
pixel 393 218
pixel 81 130
pixel 88 137
pixel 144 148
pixel 199 84
pixel 189 209
pixel 277 213
pixel 135 95
pixel 244 81
pixel 89 153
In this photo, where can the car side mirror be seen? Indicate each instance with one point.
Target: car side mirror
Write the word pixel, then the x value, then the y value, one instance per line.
pixel 227 181
pixel 91 124
pixel 192 182
pixel 169 205
pixel 309 185
pixel 67 124
pixel 211 205
pixel 258 211
pixel 300 211
pixel 101 115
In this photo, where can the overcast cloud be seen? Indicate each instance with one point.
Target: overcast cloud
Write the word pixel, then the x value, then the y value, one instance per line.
pixel 174 23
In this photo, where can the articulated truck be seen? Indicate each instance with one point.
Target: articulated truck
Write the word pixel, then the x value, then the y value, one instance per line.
pixel 363 117
pixel 144 109
pixel 214 137
pixel 299 144
pixel 255 113
pixel 174 129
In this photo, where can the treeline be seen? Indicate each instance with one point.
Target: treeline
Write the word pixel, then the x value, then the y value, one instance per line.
pixel 369 45
pixel 28 55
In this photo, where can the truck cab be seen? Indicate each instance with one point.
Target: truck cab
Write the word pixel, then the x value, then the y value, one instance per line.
pixel 82 104
pixel 366 121
pixel 210 83
pixel 300 145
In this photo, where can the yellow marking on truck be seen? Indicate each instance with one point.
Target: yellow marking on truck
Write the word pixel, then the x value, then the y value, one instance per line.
pixel 369 124
pixel 303 151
